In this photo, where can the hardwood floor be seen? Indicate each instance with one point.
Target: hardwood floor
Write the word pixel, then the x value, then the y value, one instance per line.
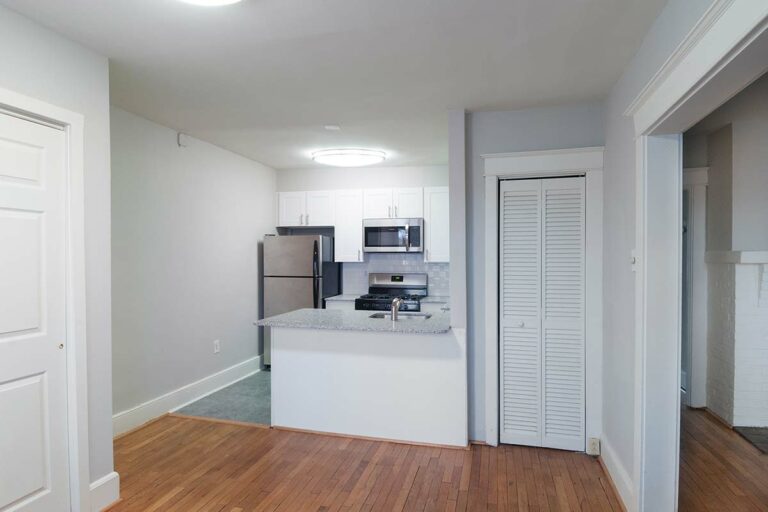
pixel 184 464
pixel 719 470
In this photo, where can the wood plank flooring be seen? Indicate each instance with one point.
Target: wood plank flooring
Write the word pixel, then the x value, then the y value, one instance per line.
pixel 189 465
pixel 719 470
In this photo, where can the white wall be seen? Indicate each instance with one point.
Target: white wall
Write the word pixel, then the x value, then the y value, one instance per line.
pixel 669 29
pixel 39 63
pixel 501 132
pixel 186 224
pixel 330 178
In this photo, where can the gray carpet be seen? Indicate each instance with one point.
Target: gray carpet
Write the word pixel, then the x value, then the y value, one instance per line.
pixel 247 400
pixel 758 436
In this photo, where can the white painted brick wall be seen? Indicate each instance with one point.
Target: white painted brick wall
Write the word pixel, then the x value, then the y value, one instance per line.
pixel 751 347
pixel 721 340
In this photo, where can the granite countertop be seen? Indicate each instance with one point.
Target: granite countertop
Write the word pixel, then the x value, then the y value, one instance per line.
pixel 346 297
pixel 336 320
pixel 436 299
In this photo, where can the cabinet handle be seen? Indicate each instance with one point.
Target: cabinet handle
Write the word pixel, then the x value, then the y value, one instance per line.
pixel 395 211
pixel 426 253
pixel 358 255
pixel 301 219
pixel 389 212
pixel 306 220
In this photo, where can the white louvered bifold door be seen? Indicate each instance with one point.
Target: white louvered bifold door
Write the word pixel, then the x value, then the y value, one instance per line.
pixel 541 264
pixel 520 312
pixel 563 313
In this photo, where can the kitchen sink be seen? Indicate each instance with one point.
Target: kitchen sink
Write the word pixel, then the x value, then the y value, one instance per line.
pixel 402 316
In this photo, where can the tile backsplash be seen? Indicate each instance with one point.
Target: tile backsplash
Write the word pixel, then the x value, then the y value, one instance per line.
pixel 355 275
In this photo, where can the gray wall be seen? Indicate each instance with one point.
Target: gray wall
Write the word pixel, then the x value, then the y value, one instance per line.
pixel 186 224
pixel 502 132
pixel 672 25
pixel 39 63
pixel 747 115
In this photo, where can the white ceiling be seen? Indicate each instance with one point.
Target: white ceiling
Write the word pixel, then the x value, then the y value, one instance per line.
pixel 261 78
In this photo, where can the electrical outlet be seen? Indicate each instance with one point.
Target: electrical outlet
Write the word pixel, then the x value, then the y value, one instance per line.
pixel 593 446
pixel 216 346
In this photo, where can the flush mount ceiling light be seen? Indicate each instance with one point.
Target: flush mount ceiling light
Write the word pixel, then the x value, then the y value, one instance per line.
pixel 210 3
pixel 349 157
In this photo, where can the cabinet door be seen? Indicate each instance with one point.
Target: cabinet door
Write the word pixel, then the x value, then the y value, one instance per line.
pixel 408 203
pixel 348 224
pixel 319 208
pixel 377 203
pixel 291 208
pixel 437 230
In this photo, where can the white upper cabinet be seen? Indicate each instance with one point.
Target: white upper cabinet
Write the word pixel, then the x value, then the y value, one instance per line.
pixel 305 208
pixel 291 208
pixel 348 232
pixel 377 203
pixel 320 208
pixel 388 203
pixel 437 245
pixel 408 203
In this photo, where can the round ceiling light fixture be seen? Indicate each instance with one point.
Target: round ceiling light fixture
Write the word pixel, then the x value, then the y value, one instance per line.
pixel 211 3
pixel 349 157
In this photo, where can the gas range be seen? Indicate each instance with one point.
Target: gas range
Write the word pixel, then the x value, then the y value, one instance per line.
pixel 383 288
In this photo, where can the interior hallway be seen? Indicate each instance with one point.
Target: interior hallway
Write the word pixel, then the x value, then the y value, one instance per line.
pixel 719 470
pixel 185 464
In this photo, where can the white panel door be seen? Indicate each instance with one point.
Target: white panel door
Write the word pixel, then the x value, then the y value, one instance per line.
pixel 437 229
pixel 563 249
pixel 408 203
pixel 320 208
pixel 292 207
pixel 542 353
pixel 377 203
pixel 348 226
pixel 34 471
pixel 520 312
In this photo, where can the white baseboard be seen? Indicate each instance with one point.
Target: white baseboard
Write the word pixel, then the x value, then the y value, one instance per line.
pixel 618 474
pixel 105 491
pixel 169 402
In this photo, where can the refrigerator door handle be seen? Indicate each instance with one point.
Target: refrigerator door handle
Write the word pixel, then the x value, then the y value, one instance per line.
pixel 315 275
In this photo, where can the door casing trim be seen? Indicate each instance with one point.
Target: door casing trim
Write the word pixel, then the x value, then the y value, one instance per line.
pixel 72 123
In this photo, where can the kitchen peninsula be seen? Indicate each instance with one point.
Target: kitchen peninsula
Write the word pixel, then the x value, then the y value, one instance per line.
pixel 349 372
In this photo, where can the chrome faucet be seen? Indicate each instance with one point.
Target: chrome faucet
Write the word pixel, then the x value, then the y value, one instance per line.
pixel 396 302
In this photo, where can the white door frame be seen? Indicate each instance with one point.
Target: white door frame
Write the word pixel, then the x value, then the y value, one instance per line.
pixel 723 53
pixel 71 123
pixel 696 180
pixel 547 164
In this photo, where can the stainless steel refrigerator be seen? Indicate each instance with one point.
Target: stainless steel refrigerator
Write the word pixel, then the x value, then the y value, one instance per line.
pixel 299 272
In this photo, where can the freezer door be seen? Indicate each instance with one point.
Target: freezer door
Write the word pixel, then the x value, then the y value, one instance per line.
pixel 292 256
pixel 284 294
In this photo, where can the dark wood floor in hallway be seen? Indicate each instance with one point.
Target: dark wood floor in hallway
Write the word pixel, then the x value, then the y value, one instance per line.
pixel 719 469
pixel 190 465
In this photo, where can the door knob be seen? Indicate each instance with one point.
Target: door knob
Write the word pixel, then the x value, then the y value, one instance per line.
pixel 521 324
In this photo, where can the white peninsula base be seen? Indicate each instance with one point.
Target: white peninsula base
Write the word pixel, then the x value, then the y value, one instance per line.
pixel 395 386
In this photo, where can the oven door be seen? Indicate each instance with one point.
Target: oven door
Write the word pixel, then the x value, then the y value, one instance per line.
pixel 393 235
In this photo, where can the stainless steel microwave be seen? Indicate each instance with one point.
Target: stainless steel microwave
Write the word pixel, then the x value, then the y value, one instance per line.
pixel 393 235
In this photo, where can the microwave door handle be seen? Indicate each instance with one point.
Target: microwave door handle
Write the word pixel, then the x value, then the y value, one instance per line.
pixel 407 238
